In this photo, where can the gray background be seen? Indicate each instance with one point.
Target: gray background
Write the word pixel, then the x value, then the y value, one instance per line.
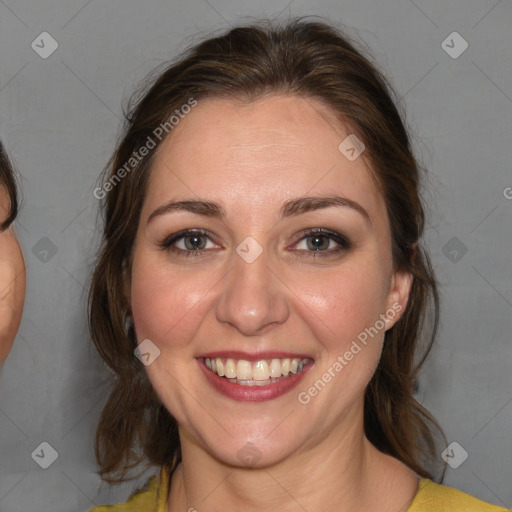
pixel 60 117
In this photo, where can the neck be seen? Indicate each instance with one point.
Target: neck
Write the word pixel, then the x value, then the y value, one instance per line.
pixel 344 472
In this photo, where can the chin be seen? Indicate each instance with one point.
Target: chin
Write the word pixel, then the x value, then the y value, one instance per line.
pixel 246 448
pixel 253 454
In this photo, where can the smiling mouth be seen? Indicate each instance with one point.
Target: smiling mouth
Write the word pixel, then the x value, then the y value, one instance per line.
pixel 255 373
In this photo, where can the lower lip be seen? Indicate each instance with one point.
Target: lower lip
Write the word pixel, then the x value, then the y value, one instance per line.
pixel 252 393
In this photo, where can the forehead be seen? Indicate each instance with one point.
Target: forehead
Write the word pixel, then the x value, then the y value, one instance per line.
pixel 265 151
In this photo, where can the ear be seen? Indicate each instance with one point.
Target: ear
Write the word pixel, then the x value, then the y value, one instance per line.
pixel 401 283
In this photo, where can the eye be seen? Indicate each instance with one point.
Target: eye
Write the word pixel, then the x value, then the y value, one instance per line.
pixel 190 242
pixel 320 242
pixel 316 242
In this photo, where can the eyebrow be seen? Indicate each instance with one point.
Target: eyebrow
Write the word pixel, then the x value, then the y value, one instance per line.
pixel 290 208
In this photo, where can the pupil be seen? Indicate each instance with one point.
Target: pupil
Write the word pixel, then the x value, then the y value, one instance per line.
pixel 317 242
pixel 194 241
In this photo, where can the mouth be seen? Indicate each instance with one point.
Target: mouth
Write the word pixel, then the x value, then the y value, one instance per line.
pixel 255 373
pixel 256 380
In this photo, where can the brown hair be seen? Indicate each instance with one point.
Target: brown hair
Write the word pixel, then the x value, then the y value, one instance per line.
pixel 8 180
pixel 313 60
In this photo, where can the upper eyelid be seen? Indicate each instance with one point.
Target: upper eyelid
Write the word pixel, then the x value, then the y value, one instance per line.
pixel 179 235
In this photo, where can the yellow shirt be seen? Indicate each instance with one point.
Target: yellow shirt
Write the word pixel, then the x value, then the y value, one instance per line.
pixel 431 497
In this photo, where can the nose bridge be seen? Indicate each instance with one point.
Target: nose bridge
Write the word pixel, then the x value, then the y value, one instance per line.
pixel 252 297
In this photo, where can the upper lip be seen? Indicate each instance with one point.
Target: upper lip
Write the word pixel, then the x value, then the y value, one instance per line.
pixel 253 356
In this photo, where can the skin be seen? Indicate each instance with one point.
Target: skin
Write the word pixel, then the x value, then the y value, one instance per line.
pixel 251 158
pixel 12 282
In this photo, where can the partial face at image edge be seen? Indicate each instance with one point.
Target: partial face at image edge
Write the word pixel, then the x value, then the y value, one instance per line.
pixel 12 270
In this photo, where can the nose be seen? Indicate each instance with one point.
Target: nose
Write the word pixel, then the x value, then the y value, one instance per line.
pixel 253 298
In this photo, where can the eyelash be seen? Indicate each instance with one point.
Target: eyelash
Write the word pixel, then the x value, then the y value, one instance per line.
pixel 343 242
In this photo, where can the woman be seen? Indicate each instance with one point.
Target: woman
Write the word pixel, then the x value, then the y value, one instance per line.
pixel 12 265
pixel 261 291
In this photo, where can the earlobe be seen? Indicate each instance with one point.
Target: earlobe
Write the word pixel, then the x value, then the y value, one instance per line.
pixel 401 284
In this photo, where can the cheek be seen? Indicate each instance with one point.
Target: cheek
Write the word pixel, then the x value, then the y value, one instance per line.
pixel 344 301
pixel 12 290
pixel 346 324
pixel 7 313
pixel 165 305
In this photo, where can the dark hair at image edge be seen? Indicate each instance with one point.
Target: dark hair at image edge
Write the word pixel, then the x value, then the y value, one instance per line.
pixel 312 60
pixel 8 181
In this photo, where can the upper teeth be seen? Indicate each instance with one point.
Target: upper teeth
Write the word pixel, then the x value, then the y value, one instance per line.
pixel 254 370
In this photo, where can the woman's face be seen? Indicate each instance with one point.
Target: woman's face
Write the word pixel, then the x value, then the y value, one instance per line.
pixel 12 282
pixel 262 289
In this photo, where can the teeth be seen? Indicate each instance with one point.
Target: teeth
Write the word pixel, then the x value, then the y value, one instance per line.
pixel 257 371
pixel 230 369
pixel 275 368
pixel 243 370
pixel 285 367
pixel 260 371
pixel 220 367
